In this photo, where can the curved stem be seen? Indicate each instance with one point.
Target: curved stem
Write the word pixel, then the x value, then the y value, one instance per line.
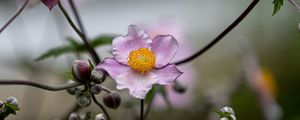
pixel 100 105
pixel 80 34
pixel 14 16
pixel 106 89
pixel 87 44
pixel 39 85
pixel 142 110
pixel 219 37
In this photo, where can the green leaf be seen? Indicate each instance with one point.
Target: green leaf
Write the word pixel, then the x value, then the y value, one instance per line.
pixel 7 110
pixel 277 6
pixel 75 47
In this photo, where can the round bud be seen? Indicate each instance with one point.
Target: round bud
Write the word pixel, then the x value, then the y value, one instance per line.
pixel 73 116
pixel 179 88
pixel 81 70
pixel 72 90
pixel 112 100
pixel 228 110
pixel 12 100
pixel 97 76
pixel 83 101
pixel 96 89
pixel 100 117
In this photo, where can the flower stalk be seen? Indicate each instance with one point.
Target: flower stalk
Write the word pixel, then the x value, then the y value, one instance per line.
pixel 14 16
pixel 220 36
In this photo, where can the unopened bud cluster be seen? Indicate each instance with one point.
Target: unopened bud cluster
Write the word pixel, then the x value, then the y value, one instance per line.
pixel 112 100
pixel 83 71
pixel 85 116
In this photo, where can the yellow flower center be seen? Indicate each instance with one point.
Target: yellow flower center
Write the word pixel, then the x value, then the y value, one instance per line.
pixel 141 60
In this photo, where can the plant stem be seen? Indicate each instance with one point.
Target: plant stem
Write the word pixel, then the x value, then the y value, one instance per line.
pixel 295 4
pixel 90 49
pixel 142 110
pixel 100 105
pixel 85 40
pixel 105 89
pixel 14 16
pixel 219 37
pixel 39 85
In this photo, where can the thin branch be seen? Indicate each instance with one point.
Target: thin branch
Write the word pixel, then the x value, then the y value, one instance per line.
pixel 100 105
pixel 39 85
pixel 106 89
pixel 14 16
pixel 87 44
pixel 149 106
pixel 80 34
pixel 218 38
pixel 142 110
pixel 295 5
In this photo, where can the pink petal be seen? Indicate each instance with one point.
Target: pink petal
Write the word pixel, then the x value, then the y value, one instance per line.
pixel 123 45
pixel 167 74
pixel 112 67
pixel 164 47
pixel 50 3
pixel 138 84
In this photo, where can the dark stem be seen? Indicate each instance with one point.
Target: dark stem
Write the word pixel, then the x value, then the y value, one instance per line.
pixel 218 38
pixel 14 16
pixel 100 105
pixel 142 110
pixel 85 40
pixel 39 85
pixel 90 49
pixel 106 89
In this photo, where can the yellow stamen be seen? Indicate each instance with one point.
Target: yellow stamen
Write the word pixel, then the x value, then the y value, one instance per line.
pixel 141 60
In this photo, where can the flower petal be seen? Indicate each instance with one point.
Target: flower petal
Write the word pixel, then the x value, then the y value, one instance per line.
pixel 50 3
pixel 138 84
pixel 164 47
pixel 167 74
pixel 112 67
pixel 123 45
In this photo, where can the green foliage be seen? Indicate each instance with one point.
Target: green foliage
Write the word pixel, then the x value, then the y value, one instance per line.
pixel 155 89
pixel 7 110
pixel 224 114
pixel 75 47
pixel 277 6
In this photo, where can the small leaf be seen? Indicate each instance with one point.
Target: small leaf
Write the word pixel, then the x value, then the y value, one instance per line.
pixel 50 3
pixel 75 47
pixel 277 6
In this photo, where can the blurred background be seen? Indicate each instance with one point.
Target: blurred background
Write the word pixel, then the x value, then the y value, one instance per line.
pixel 253 69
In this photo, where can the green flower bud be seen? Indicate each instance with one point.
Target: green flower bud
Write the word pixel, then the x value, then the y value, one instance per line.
pixel 96 89
pixel 97 76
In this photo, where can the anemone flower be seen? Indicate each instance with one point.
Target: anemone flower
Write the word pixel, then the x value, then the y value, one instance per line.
pixel 140 62
pixel 177 100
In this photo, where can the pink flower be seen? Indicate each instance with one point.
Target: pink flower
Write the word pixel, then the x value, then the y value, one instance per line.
pixel 140 62
pixel 177 100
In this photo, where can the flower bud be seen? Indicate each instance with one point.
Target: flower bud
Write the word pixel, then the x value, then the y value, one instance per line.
pixel 96 89
pixel 228 110
pixel 72 90
pixel 83 116
pixel 100 117
pixel 1 104
pixel 83 101
pixel 81 70
pixel 179 88
pixel 112 100
pixel 12 100
pixel 97 76
pixel 73 116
